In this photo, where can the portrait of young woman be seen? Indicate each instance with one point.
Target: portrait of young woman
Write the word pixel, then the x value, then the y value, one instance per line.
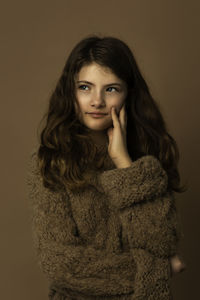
pixel 102 181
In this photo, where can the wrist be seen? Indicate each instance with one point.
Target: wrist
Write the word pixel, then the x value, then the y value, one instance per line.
pixel 125 163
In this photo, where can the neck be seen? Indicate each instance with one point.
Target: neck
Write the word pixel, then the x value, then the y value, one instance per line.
pixel 99 138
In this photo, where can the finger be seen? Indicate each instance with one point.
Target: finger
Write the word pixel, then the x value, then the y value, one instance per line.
pixel 123 117
pixel 114 117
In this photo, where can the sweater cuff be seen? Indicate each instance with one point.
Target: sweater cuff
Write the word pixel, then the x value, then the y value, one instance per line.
pixel 142 180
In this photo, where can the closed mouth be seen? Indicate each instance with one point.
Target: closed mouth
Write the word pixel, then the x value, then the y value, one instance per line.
pixel 97 114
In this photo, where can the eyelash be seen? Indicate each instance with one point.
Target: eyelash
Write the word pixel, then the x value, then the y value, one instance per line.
pixel 108 87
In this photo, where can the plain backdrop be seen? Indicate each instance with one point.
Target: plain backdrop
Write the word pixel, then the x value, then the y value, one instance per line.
pixel 36 39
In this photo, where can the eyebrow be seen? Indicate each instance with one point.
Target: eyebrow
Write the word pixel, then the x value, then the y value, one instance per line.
pixel 113 83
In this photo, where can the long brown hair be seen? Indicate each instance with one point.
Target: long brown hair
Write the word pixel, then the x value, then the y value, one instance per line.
pixel 66 150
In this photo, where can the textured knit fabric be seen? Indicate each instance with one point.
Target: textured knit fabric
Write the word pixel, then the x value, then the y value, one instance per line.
pixel 112 240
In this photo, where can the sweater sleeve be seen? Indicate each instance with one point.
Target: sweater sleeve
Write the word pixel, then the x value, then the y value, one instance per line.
pixel 153 226
pixel 143 180
pixel 62 255
pixel 147 210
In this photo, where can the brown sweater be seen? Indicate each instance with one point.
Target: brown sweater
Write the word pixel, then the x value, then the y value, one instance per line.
pixel 111 241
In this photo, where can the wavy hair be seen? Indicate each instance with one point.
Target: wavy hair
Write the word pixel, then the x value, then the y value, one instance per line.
pixel 66 152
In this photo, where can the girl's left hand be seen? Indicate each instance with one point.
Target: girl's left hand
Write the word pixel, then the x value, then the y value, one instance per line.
pixel 177 265
pixel 117 147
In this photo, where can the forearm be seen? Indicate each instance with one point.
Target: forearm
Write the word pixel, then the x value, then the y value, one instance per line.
pixel 68 262
pixel 133 181
pixel 153 226
pixel 86 270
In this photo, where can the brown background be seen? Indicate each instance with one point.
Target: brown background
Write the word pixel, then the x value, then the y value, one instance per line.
pixel 36 39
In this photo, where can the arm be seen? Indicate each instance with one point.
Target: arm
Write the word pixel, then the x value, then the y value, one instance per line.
pixel 148 215
pixel 147 210
pixel 153 226
pixel 62 255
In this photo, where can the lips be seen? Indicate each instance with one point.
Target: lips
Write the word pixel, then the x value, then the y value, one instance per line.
pixel 99 114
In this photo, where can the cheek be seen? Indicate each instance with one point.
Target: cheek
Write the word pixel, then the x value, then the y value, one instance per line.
pixel 118 106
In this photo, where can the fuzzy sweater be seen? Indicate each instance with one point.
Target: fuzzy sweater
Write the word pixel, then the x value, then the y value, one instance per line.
pixel 112 240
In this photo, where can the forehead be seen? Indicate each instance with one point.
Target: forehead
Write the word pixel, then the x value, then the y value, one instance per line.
pixel 95 70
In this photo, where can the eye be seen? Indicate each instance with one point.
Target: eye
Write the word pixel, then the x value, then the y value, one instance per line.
pixel 81 87
pixel 112 87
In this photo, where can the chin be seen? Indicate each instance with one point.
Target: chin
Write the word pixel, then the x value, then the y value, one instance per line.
pixel 99 127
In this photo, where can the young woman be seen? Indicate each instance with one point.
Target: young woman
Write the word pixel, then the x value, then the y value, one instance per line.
pixel 102 182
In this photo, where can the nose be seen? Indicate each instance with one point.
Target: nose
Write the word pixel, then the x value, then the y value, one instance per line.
pixel 98 99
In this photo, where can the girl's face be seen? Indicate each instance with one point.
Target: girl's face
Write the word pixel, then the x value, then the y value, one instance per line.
pixel 97 90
